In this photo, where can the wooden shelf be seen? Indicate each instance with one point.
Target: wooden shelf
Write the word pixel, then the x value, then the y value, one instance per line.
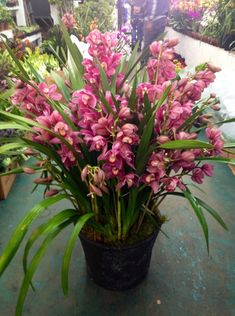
pixel 13 8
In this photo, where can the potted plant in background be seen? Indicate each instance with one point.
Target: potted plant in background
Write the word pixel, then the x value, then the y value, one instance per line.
pixel 114 149
pixel 12 3
pixel 5 19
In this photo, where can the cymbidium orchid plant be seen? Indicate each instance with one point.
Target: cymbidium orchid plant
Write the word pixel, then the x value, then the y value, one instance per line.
pixel 113 138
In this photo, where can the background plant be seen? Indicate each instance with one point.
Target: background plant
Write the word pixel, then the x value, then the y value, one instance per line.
pixel 215 19
pixel 5 16
pixel 88 15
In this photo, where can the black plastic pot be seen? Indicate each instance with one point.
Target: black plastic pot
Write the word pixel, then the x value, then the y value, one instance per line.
pixel 118 269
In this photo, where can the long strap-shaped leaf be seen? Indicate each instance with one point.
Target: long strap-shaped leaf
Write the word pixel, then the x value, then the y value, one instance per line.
pixel 186 144
pixel 213 213
pixel 22 228
pixel 206 207
pixel 198 211
pixel 46 228
pixel 61 85
pixel 5 148
pixel 74 51
pixel 69 249
pixel 217 159
pixel 33 266
pixel 13 125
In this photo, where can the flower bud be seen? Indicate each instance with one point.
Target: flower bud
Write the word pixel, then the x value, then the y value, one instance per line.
pixel 172 42
pixel 215 107
pixel 29 170
pixel 94 189
pixel 20 84
pixel 39 163
pixel 213 95
pixel 124 113
pixel 84 173
pixel 43 180
pixel 127 89
pixel 188 156
pixel 29 152
pixel 182 82
pixel 213 68
pixel 51 192
pixel 163 139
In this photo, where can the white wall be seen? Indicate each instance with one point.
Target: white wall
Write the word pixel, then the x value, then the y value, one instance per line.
pixel 196 52
pixel 20 14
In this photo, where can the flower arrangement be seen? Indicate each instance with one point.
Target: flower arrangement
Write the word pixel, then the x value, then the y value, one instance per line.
pixel 113 148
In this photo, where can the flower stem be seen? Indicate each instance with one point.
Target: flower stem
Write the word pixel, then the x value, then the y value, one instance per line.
pixel 119 216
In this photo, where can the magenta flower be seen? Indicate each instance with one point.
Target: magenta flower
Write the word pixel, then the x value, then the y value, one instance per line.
pixel 129 179
pixel 215 137
pixel 198 175
pixel 208 170
pixel 50 91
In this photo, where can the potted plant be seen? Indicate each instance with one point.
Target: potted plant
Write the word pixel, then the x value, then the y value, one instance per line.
pixel 12 3
pixel 5 19
pixel 114 149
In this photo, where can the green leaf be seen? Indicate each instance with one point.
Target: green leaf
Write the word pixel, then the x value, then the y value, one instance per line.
pixel 152 111
pixel 35 73
pixel 46 228
pixel 217 159
pixel 133 98
pixel 141 57
pixel 211 211
pixel 144 144
pixel 107 105
pixel 60 60
pixel 33 266
pixel 5 148
pixel 13 125
pixel 132 58
pixel 198 211
pixel 232 120
pixel 186 144
pixel 22 228
pixel 114 79
pixel 74 51
pixel 103 77
pixel 229 145
pixel 61 85
pixel 69 249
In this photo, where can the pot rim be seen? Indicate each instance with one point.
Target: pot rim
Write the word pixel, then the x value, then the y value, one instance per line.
pixel 134 245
